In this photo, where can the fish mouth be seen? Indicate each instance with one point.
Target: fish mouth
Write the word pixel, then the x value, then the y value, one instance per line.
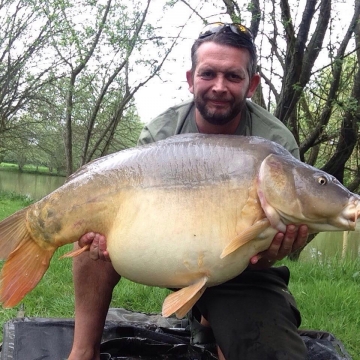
pixel 350 214
pixel 345 220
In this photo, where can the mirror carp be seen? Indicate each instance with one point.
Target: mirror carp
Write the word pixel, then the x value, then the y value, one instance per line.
pixel 187 212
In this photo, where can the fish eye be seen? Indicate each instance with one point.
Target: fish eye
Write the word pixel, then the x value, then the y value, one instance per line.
pixel 322 180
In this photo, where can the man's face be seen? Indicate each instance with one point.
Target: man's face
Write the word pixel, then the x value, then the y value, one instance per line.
pixel 220 82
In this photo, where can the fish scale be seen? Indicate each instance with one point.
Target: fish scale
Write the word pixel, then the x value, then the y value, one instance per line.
pixel 187 212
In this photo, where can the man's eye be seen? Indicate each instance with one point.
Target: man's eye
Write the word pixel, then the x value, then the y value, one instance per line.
pixel 207 74
pixel 234 77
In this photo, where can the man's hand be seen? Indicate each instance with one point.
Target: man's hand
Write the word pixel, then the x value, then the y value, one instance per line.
pixel 97 244
pixel 281 246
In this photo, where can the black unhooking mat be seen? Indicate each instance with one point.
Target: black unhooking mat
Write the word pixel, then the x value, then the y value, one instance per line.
pixel 130 335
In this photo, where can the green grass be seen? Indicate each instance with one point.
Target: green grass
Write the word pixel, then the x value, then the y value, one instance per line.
pixel 11 202
pixel 327 293
pixel 31 169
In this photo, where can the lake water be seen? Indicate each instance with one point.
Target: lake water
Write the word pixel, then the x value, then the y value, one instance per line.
pixel 331 244
pixel 323 246
pixel 32 185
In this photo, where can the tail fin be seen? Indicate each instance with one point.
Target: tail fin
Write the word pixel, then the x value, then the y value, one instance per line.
pixel 26 265
pixel 22 271
pixel 12 231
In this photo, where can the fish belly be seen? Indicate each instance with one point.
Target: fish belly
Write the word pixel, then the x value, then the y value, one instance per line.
pixel 171 238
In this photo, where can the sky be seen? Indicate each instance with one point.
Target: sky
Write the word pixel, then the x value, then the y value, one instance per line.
pixel 160 94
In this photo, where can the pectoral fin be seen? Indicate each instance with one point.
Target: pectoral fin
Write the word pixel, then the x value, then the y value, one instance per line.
pixel 244 237
pixel 181 301
pixel 76 252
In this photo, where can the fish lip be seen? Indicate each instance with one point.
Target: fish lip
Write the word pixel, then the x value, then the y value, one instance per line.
pixel 351 212
pixel 345 220
pixel 357 204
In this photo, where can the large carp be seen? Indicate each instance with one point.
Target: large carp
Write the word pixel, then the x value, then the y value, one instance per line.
pixel 187 212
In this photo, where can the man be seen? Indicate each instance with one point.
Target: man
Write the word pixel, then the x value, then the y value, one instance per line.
pixel 253 316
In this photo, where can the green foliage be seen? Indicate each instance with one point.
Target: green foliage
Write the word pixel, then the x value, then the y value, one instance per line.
pixel 80 76
pixel 297 87
pixel 314 104
pixel 11 202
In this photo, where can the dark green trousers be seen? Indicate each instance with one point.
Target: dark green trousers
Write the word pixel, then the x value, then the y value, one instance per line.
pixel 254 316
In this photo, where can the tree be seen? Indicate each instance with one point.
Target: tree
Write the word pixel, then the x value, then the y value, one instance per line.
pixel 308 79
pixel 23 38
pixel 297 47
pixel 100 58
pixel 83 68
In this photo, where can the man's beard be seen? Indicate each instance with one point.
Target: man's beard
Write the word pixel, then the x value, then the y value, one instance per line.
pixel 217 117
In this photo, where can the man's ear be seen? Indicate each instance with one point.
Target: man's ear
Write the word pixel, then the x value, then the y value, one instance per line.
pixel 254 82
pixel 190 80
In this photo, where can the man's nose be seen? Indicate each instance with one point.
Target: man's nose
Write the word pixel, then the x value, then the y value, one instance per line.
pixel 219 84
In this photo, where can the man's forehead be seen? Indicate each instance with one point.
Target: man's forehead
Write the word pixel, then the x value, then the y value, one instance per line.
pixel 221 62
pixel 203 66
pixel 212 53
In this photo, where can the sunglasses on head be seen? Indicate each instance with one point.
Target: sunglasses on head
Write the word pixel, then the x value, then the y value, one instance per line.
pixel 216 27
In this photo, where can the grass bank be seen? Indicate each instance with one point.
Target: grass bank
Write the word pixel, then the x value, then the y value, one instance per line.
pixel 327 293
pixel 31 169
